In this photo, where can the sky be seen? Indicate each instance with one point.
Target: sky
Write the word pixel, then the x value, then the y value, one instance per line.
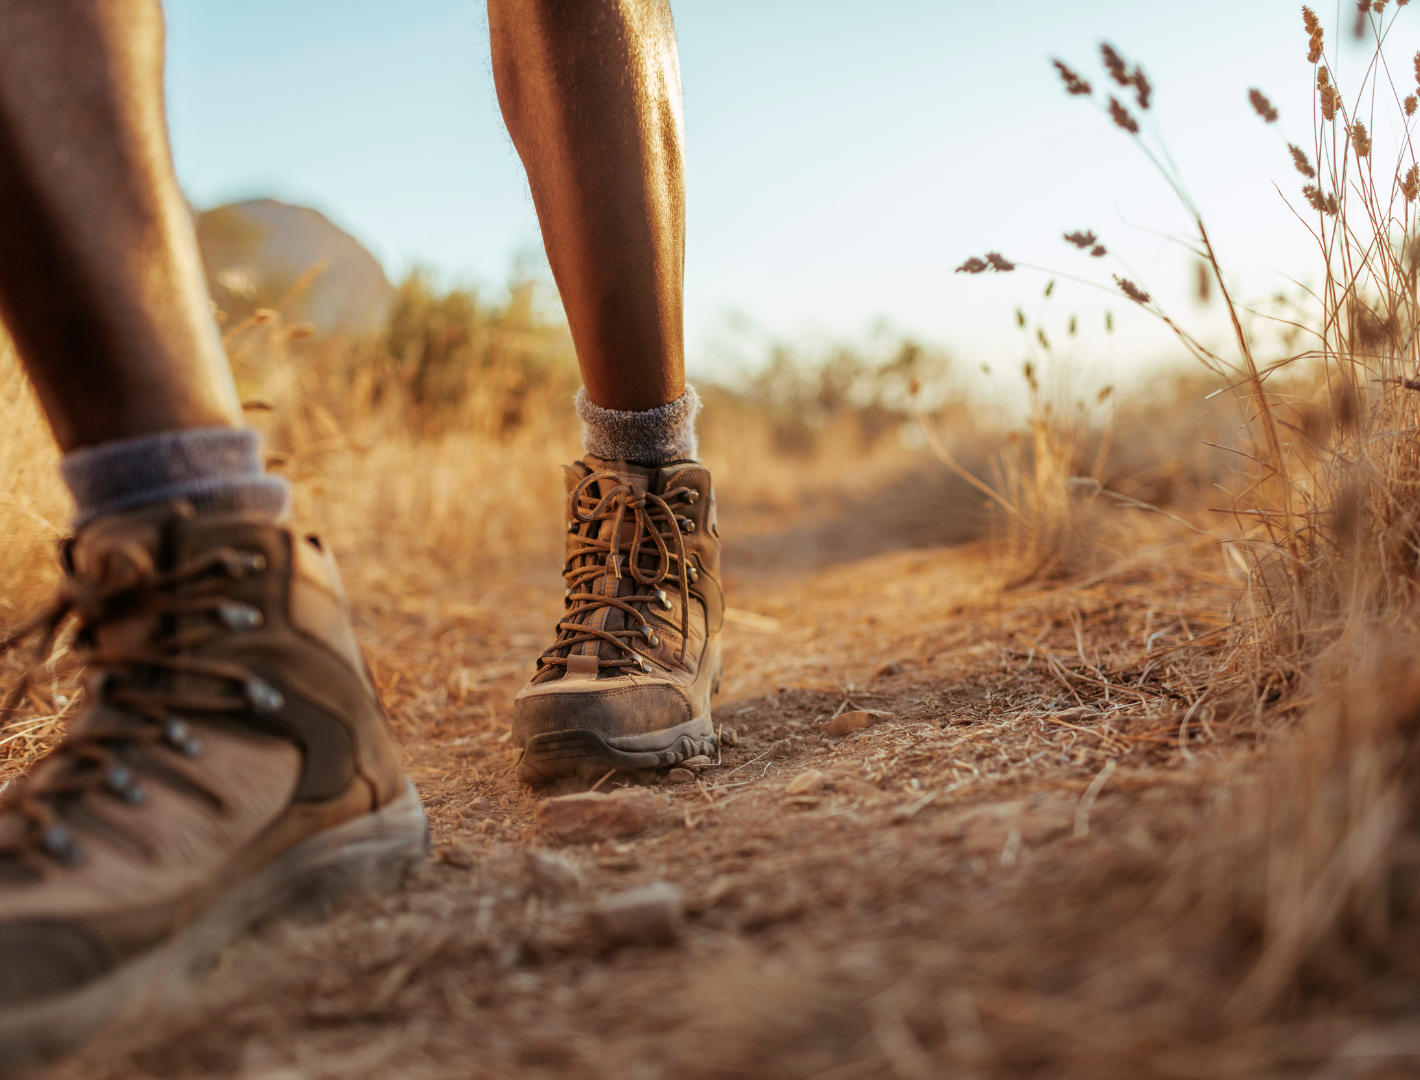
pixel 842 158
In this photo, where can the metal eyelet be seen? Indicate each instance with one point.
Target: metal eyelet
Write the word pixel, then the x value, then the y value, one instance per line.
pixel 179 736
pixel 59 842
pixel 239 616
pixel 243 563
pixel 264 697
pixel 643 666
pixel 692 496
pixel 686 525
pixel 572 526
pixel 120 782
pixel 650 636
pixel 692 575
pixel 663 600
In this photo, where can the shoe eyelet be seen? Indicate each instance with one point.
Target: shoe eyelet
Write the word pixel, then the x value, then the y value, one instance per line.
pixel 692 496
pixel 242 563
pixel 643 666
pixel 58 841
pixel 692 575
pixel 179 736
pixel 686 525
pixel 121 783
pixel 572 526
pixel 264 697
pixel 239 616
pixel 663 600
pixel 650 636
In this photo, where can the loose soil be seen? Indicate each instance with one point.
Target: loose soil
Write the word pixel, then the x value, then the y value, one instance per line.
pixel 899 921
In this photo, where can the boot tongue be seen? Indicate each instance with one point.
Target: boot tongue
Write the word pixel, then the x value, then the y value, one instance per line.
pixel 609 618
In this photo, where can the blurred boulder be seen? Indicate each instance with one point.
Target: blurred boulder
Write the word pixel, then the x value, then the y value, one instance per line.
pixel 257 252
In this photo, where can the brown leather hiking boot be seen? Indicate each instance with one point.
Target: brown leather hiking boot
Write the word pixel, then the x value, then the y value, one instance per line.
pixel 231 761
pixel 627 685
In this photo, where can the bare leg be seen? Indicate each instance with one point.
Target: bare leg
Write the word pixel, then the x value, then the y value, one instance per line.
pixel 101 284
pixel 590 91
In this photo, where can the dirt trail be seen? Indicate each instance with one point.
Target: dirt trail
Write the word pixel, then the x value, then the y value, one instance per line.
pixel 872 926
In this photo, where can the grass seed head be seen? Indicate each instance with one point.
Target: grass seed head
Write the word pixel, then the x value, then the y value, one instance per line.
pixel 1360 139
pixel 1314 48
pixel 1310 21
pixel 1324 204
pixel 1082 240
pixel 1262 105
pixel 1410 105
pixel 1299 159
pixel 1073 83
pixel 1114 64
pixel 1410 186
pixel 972 265
pixel 999 263
pixel 1328 101
pixel 1129 289
pixel 1097 251
pixel 1363 6
pixel 1120 115
pixel 1141 86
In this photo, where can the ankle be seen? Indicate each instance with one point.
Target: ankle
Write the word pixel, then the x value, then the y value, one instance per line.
pixel 219 470
pixel 652 437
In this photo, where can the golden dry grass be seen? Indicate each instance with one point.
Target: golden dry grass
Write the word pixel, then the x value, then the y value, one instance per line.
pixel 1149 803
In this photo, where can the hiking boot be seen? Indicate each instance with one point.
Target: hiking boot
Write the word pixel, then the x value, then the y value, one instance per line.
pixel 627 685
pixel 231 761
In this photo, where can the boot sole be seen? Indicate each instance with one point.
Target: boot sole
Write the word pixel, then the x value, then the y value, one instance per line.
pixel 370 854
pixel 581 752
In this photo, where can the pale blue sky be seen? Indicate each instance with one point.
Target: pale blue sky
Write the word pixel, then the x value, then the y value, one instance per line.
pixel 843 156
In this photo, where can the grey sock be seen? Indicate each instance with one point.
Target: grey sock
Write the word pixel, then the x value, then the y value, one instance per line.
pixel 217 469
pixel 653 437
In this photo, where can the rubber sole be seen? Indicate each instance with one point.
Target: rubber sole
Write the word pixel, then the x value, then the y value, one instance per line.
pixel 580 752
pixel 370 854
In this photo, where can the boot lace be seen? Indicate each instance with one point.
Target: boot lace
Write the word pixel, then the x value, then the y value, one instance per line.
pixel 146 709
pixel 656 555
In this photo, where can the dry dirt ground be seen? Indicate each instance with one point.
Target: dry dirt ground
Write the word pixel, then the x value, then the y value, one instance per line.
pixel 896 922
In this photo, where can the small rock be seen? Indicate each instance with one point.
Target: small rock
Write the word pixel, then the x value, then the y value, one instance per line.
pixel 729 737
pixel 850 722
pixel 696 763
pixel 892 667
pixel 650 915
pixel 779 731
pixel 552 874
pixel 780 749
pixel 454 855
pixel 680 776
pixel 806 783
pixel 592 815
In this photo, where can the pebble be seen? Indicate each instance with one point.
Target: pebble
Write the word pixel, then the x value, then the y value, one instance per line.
pixel 552 874
pixel 680 776
pixel 455 855
pixel 806 783
pixel 696 763
pixel 729 737
pixel 650 915
pixel 850 722
pixel 780 749
pixel 592 815
pixel 892 667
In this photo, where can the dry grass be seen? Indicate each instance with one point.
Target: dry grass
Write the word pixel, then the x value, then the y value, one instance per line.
pixel 1150 802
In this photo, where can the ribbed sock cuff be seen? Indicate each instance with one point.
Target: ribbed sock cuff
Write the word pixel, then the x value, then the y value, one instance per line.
pixel 665 433
pixel 218 470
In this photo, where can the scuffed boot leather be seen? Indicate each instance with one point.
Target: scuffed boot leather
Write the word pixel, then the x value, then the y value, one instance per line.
pixel 628 683
pixel 231 761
